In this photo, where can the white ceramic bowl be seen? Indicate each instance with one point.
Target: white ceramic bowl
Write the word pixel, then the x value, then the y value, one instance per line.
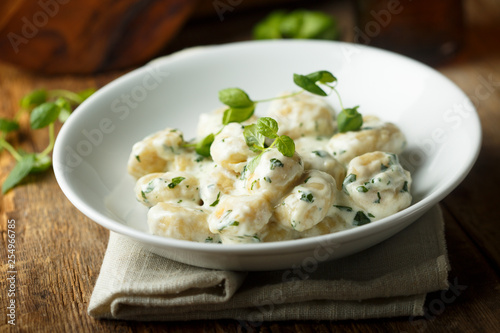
pixel 90 156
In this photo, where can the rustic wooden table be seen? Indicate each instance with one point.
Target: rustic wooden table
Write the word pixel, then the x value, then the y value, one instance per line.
pixel 59 251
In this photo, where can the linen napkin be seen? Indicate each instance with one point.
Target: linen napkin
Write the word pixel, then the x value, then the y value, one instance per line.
pixel 388 280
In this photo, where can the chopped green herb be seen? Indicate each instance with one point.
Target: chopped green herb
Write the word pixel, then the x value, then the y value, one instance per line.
pixel 180 200
pixel 363 189
pixel 213 204
pixel 307 197
pixel 344 208
pixel 360 219
pixel 320 153
pixel 175 181
pixel 305 181
pixel 371 215
pixel 383 167
pixel 379 197
pixel 144 197
pixel 405 187
pixel 150 187
pixel 349 179
pixel 209 240
pixel 267 179
pixel 275 163
pixel 138 158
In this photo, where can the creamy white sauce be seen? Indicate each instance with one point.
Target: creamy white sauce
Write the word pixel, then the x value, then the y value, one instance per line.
pixel 333 182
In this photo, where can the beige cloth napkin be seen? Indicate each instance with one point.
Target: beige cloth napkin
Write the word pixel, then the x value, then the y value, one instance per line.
pixel 388 280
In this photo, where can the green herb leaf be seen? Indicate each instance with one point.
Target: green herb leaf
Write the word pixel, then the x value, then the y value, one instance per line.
pixel 21 170
pixel 349 120
pixel 44 115
pixel 203 147
pixel 360 219
pixel 34 98
pixel 235 98
pixel 7 125
pixel 405 187
pixel 268 127
pixel 285 145
pixel 322 76
pixel 213 204
pixel 175 181
pixel 254 139
pixel 307 84
pixel 237 115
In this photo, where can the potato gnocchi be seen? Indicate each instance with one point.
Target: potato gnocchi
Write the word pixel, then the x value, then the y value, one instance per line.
pixel 334 181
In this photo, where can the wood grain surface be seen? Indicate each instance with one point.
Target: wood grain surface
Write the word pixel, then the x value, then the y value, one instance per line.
pixel 59 251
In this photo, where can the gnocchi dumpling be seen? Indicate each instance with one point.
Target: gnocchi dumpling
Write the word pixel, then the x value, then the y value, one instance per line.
pixel 167 187
pixel 377 183
pixel 179 221
pixel 308 203
pixel 315 157
pixel 157 153
pixel 240 218
pixel 303 115
pixel 230 149
pixel 274 174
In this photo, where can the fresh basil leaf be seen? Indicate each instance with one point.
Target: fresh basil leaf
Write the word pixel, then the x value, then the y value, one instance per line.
pixel 268 127
pixel 21 170
pixel 237 115
pixel 270 27
pixel 203 147
pixel 84 94
pixel 285 145
pixel 254 139
pixel 349 120
pixel 44 114
pixel 41 163
pixel 7 125
pixel 34 98
pixel 322 76
pixel 307 84
pixel 235 98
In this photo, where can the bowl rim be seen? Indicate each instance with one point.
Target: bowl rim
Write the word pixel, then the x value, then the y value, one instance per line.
pixel 412 212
